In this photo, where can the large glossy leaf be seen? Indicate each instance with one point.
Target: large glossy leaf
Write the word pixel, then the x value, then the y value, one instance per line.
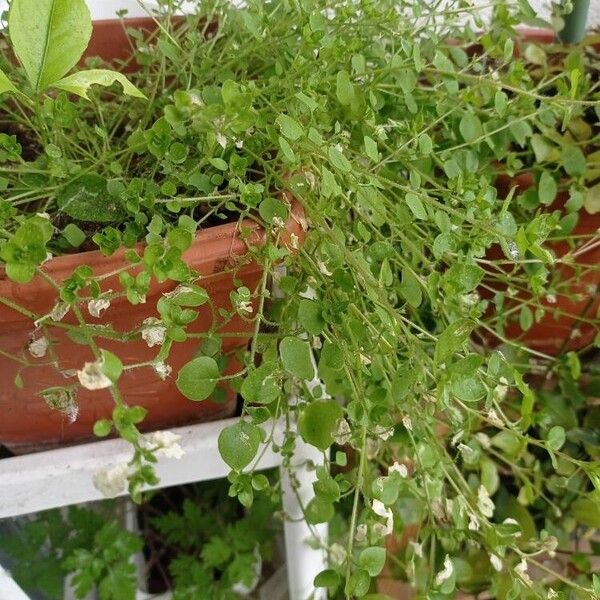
pixel 79 83
pixel 49 37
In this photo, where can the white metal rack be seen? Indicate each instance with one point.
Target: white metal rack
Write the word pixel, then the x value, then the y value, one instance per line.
pixel 62 477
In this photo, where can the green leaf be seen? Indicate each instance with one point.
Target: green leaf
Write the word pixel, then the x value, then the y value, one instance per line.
pixel 290 127
pixel 470 127
pixel 102 427
pixel 452 339
pixel 74 235
pixel 318 511
pixel 410 288
pixel 49 37
pixel 296 357
pixel 310 317
pixel 547 188
pixel 111 365
pixel 525 318
pixel 358 584
pixel 338 160
pixel 6 85
pixel 318 422
pixel 372 560
pixel 592 199
pixel 271 208
pixel 87 199
pixel 587 510
pixel 239 443
pixel 198 378
pixel 556 438
pixel 416 206
pixel 327 578
pixel 79 83
pixel 261 386
pixel 344 89
pixel 371 149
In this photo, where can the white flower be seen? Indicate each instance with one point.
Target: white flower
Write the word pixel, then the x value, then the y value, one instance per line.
pixel 551 298
pixel 342 432
pixel 221 140
pixel 38 347
pixel 383 433
pixel 153 332
pixel 361 533
pixel 500 392
pixel 59 311
pixel 97 307
pixel 400 468
pixel 165 443
pixel 337 554
pixel 494 419
pixel 469 300
pixel 294 241
pixel 552 594
pixel 111 481
pixel 162 370
pixel 91 377
pixel 278 223
pixel 484 502
pixel 245 306
pixel 323 268
pixel 521 571
pixel 483 439
pixel 473 523
pixel 372 448
pixel 417 548
pixel 446 572
pixel 496 562
pixel 406 421
pixel 382 511
pixel 239 144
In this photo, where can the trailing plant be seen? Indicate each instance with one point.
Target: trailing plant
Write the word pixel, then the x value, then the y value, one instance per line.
pixel 389 122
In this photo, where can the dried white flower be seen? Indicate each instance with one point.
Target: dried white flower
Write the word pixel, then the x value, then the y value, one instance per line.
pixel 400 468
pixel 484 502
pixel 551 299
pixel 239 144
pixel 323 268
pixel 417 548
pixel 361 533
pixel 111 481
pixel 153 332
pixel 483 439
pixel 343 432
pixel 473 523
pixel 496 562
pixel 165 443
pixel 38 347
pixel 162 369
pixel 97 307
pixel 500 392
pixel 446 571
pixel 337 554
pixel 221 140
pixel 294 241
pixel 59 311
pixel 469 300
pixel 494 419
pixel 406 421
pixel 91 377
pixel 382 511
pixel 245 306
pixel 372 448
pixel 278 223
pixel 383 432
pixel 521 571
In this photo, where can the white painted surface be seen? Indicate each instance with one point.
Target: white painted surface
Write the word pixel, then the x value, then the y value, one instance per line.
pixel 106 9
pixel 62 477
pixel 9 590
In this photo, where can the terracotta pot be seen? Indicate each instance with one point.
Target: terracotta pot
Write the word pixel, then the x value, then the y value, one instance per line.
pixel 561 329
pixel 27 422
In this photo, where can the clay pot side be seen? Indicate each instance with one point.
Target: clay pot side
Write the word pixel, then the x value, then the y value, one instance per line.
pixel 571 318
pixel 218 254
